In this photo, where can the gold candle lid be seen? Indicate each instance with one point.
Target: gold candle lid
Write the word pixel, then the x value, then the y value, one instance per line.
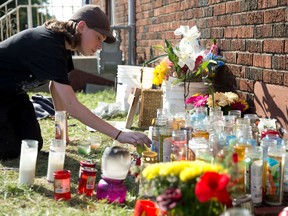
pixel 149 156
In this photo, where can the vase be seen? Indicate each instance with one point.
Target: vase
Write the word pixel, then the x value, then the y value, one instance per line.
pixel 174 95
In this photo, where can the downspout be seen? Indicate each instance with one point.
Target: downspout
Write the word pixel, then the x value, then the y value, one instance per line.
pixel 132 35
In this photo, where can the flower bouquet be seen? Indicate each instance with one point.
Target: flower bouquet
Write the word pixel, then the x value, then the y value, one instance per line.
pixel 187 60
pixel 226 100
pixel 188 187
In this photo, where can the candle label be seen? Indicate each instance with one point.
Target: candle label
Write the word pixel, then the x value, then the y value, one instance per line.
pixel 167 142
pixel 90 182
pixel 61 186
pixel 253 179
pixel 60 125
pixel 273 180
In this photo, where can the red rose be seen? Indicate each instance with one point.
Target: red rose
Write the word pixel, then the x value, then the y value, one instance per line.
pixel 213 185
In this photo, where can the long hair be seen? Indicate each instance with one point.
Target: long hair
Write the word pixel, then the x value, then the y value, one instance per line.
pixel 67 29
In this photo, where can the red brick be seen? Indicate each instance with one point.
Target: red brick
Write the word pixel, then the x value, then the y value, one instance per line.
pixel 274 16
pixel 246 85
pixel 224 44
pixel 230 57
pixel 254 46
pixel 285 81
pixel 238 32
pixel 217 33
pixel 253 73
pixel 235 69
pixel 264 31
pixel 273 46
pixel 238 44
pixel 232 7
pixel 256 17
pixel 274 77
pixel 279 62
pixel 236 19
pixel 266 3
pixel 262 60
pixel 244 59
pixel 219 9
pixel 246 32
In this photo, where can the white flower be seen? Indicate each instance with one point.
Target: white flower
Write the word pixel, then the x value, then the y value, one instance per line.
pixel 188 49
pixel 231 97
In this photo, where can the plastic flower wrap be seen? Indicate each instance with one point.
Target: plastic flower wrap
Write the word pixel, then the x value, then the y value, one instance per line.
pixel 189 187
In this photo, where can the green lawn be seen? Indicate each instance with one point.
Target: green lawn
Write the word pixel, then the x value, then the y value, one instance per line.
pixel 38 199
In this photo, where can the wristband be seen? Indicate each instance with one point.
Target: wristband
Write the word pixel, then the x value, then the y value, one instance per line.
pixel 118 135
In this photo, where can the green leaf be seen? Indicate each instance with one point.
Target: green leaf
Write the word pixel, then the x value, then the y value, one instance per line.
pixel 159 48
pixel 154 59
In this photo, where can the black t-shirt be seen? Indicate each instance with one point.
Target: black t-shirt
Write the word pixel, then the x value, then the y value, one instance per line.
pixel 32 58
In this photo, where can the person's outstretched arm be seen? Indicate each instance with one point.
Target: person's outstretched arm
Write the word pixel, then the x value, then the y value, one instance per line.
pixel 64 98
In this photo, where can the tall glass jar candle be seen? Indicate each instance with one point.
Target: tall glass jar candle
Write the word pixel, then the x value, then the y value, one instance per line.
pixel 254 173
pixel 179 145
pixel 274 175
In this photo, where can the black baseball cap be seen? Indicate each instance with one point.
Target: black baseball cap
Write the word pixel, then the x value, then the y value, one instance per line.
pixel 95 19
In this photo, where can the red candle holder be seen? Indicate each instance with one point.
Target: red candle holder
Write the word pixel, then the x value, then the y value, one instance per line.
pixel 62 185
pixel 87 181
pixel 145 207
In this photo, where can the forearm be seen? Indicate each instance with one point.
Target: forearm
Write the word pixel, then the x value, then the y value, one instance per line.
pixel 88 118
pixel 65 99
pixel 58 104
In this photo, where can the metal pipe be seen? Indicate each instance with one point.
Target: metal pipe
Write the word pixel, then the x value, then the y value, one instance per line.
pixel 29 14
pixel 132 34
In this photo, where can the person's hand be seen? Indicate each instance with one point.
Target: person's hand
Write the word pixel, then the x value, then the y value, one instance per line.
pixel 134 138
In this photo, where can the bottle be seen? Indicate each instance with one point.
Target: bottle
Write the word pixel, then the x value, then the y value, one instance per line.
pixel 254 173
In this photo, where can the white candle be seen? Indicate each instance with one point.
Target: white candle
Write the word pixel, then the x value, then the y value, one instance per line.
pixel 27 176
pixel 53 167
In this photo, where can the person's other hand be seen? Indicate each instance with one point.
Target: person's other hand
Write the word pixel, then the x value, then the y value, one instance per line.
pixel 134 138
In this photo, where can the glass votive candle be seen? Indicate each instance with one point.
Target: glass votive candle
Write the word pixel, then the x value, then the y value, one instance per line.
pixel 235 112
pixel 95 141
pixel 62 185
pixel 87 181
pixel 84 147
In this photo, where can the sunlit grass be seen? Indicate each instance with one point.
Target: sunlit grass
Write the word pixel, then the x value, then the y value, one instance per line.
pixel 38 199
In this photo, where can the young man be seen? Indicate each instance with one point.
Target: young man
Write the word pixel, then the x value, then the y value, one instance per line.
pixel 35 56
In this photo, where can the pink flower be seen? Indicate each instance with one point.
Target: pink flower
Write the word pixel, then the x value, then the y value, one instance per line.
pixel 197 100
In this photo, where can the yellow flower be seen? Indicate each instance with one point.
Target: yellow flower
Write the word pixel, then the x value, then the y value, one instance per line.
pixel 159 73
pixel 152 171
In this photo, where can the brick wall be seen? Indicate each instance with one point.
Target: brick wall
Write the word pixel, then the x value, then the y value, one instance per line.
pixel 252 36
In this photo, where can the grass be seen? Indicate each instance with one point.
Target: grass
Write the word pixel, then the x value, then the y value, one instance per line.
pixel 39 198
